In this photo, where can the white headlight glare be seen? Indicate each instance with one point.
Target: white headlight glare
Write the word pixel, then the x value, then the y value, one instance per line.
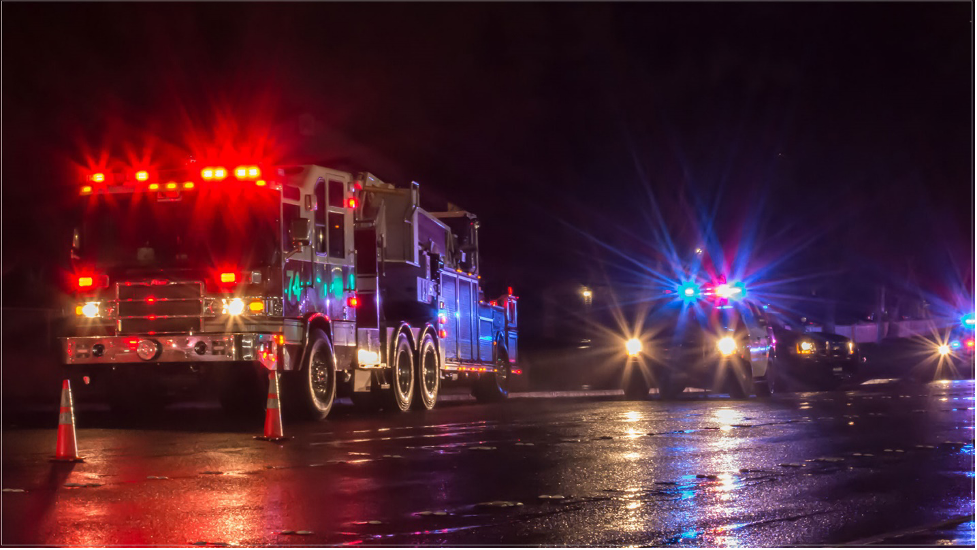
pixel 233 307
pixel 807 346
pixel 726 345
pixel 633 347
pixel 90 309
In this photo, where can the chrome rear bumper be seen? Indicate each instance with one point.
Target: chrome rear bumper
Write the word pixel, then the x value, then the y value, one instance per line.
pixel 173 348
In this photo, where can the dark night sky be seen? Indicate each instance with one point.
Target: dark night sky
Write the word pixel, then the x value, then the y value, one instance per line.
pixel 848 122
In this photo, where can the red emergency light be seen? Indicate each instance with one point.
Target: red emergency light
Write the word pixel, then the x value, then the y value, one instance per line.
pixel 351 202
pixel 247 172
pixel 228 277
pixel 91 281
pixel 352 301
pixel 213 173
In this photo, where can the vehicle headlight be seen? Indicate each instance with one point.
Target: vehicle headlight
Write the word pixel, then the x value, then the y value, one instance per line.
pixel 726 345
pixel 943 349
pixel 805 347
pixel 233 307
pixel 633 347
pixel 851 348
pixel 89 309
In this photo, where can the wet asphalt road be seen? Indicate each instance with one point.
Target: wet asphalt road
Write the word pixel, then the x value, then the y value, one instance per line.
pixel 871 465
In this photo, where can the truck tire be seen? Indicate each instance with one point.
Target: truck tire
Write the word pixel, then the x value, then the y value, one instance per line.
pixel 494 387
pixel 401 393
pixel 316 381
pixel 635 385
pixel 428 375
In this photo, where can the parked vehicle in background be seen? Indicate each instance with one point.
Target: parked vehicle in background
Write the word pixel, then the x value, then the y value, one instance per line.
pixel 803 361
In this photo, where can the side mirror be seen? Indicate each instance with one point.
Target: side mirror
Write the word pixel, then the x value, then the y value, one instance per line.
pixel 300 232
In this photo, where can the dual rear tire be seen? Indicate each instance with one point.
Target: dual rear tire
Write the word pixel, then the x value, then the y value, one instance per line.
pixel 414 378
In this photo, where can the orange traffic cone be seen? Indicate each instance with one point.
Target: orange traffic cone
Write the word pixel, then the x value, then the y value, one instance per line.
pixel 273 414
pixel 67 450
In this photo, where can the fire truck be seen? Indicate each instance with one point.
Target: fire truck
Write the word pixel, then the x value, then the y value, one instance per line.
pixel 341 282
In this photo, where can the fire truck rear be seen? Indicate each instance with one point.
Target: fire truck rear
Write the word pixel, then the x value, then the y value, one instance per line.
pixel 339 281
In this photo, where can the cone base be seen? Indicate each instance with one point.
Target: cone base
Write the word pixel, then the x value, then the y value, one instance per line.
pixel 67 459
pixel 265 438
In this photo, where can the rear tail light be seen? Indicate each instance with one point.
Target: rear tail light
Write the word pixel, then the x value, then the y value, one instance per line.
pixel 352 301
pixel 90 282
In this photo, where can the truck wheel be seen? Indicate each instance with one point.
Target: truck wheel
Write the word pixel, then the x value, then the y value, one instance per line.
pixel 428 374
pixel 401 392
pixel 635 386
pixel 317 378
pixel 494 387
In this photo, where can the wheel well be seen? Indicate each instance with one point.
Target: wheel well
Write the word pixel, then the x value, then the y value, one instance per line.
pixel 405 329
pixel 429 329
pixel 500 346
pixel 315 322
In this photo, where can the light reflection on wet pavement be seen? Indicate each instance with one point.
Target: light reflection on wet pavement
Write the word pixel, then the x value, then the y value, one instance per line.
pixel 812 468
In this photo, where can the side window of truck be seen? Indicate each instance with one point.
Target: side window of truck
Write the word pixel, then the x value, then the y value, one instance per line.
pixel 337 194
pixel 289 212
pixel 320 218
pixel 337 235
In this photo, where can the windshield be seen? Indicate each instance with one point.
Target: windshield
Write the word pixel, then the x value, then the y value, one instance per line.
pixel 198 230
